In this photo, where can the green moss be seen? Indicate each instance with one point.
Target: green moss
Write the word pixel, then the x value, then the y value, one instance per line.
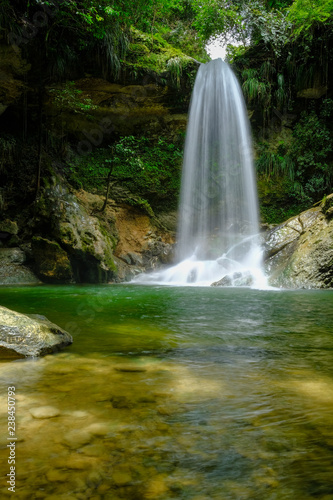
pixel 276 202
pixel 153 54
pixel 149 168
pixel 142 204
pixel 109 236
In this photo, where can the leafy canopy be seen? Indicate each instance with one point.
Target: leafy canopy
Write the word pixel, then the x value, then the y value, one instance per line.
pixel 249 22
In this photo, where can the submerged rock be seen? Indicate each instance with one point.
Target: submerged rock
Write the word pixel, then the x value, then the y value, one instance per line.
pixel 225 281
pixel 236 279
pixel 44 412
pixel 23 335
pixel 299 252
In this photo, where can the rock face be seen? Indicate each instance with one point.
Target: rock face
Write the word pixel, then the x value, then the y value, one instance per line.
pixel 29 335
pixel 77 247
pixel 142 242
pixel 52 263
pixel 13 269
pixel 65 238
pixel 120 109
pixel 299 252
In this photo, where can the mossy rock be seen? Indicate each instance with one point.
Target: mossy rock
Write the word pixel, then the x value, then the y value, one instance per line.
pixel 29 335
pixel 52 263
pixel 327 206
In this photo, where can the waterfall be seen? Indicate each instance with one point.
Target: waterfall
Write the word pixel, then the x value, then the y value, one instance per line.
pixel 218 216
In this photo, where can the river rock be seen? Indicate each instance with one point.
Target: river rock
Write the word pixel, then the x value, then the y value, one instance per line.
pixel 22 335
pixel 76 438
pixel 299 252
pixel 44 412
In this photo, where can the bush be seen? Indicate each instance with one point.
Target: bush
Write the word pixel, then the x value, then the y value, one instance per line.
pixel 149 168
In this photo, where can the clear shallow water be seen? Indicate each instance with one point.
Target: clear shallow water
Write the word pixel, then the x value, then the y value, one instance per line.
pixel 186 393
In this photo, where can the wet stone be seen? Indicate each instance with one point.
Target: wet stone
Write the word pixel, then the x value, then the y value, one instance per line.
pixel 94 479
pixel 98 429
pixel 60 368
pixel 79 414
pixel 44 412
pixel 103 488
pixel 75 439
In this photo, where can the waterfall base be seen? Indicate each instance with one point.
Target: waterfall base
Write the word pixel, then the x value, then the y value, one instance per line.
pixel 219 272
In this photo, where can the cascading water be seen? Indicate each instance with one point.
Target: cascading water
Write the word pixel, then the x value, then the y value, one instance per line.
pixel 218 217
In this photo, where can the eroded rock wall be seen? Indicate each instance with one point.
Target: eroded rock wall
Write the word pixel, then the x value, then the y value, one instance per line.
pixel 299 252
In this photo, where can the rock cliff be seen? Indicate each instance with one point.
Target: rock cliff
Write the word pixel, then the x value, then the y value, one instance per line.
pixel 299 252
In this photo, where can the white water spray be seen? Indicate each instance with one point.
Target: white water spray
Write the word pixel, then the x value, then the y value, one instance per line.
pixel 218 217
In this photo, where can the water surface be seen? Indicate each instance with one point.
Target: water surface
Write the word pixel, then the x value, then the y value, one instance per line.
pixel 175 393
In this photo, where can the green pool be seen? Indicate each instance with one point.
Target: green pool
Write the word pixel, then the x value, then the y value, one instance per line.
pixel 174 393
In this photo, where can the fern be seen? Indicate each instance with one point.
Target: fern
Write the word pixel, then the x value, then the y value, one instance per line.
pixel 175 68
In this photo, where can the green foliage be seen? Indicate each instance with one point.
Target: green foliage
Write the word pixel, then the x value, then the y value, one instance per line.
pixel 175 68
pixel 94 36
pixel 277 196
pixel 256 90
pixel 156 56
pixel 275 164
pixel 150 169
pixel 243 21
pixel 304 166
pixel 69 97
pixel 276 214
pixel 311 151
pixel 304 14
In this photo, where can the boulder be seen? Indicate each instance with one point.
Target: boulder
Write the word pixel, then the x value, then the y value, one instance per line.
pixel 13 269
pixel 24 335
pixel 299 252
pixel 51 261
pixel 225 281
